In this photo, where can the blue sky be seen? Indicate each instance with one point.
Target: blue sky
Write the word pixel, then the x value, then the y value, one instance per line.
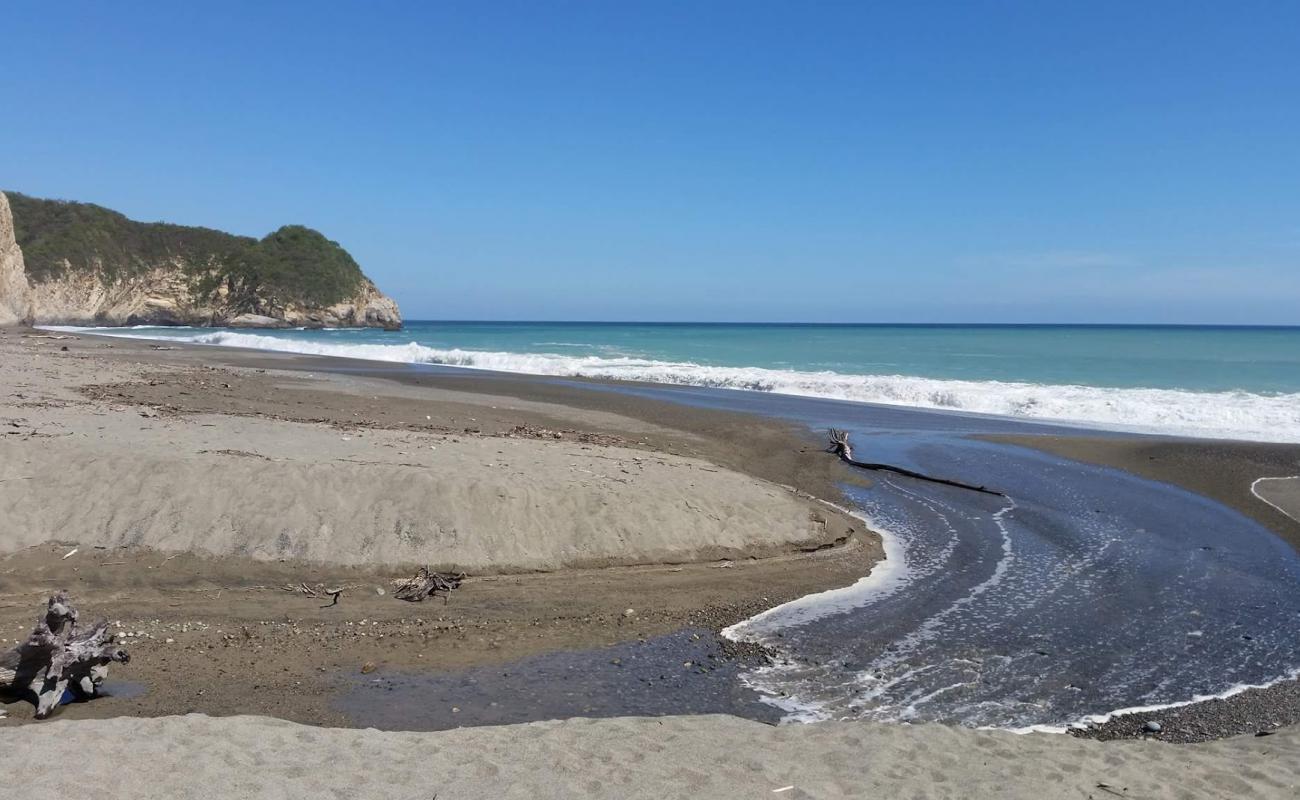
pixel 1011 161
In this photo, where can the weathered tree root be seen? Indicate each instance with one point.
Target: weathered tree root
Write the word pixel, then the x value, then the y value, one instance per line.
pixel 428 583
pixel 839 444
pixel 57 655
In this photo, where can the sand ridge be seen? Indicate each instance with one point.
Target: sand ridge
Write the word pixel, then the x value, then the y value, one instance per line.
pixel 99 473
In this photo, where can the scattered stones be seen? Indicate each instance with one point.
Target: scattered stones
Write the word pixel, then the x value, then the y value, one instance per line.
pixel 1247 713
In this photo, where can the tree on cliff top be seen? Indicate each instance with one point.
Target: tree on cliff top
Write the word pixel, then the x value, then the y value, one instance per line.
pixel 295 264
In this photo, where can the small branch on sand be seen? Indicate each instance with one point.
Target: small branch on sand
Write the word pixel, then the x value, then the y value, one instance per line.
pixel 58 656
pixel 319 590
pixel 839 445
pixel 428 583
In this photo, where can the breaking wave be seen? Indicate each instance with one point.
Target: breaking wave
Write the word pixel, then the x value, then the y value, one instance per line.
pixel 1227 415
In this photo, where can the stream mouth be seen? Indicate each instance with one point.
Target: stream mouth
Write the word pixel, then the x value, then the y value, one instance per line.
pixel 1087 590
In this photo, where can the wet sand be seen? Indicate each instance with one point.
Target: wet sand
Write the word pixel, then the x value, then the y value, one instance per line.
pixel 244 642
pixel 1223 471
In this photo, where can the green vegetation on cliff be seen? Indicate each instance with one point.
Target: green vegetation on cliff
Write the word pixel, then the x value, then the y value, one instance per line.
pixel 292 265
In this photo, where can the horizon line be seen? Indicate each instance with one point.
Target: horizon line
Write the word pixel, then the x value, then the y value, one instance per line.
pixel 866 324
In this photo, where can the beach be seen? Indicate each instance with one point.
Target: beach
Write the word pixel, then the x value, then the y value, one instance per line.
pixel 147 485
pixel 706 756
pixel 199 497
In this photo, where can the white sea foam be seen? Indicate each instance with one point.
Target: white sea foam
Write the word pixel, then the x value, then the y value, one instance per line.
pixel 1232 691
pixel 1227 415
pixel 1254 489
pixel 887 575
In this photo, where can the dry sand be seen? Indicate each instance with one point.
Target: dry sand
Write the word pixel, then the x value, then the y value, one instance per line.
pixel 697 757
pixel 92 472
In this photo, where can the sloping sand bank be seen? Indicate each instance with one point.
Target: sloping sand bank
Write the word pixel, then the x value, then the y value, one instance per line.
pixel 95 473
pixel 699 757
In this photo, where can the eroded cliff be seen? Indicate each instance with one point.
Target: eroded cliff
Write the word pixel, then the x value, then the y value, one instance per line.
pixel 80 264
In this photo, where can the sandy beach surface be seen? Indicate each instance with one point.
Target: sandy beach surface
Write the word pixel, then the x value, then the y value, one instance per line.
pixel 199 498
pixel 201 490
pixel 700 756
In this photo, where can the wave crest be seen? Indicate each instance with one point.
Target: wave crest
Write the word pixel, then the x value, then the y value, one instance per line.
pixel 1228 415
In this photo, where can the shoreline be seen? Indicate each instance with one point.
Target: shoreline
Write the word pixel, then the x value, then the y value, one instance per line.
pixel 1165 407
pixel 1221 470
pixel 295 389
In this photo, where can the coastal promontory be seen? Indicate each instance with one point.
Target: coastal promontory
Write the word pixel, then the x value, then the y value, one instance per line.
pixel 81 264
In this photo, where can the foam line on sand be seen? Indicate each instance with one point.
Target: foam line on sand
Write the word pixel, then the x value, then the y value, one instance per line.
pixel 1280 493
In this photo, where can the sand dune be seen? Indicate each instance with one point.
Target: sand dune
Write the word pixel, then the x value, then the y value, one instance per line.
pixel 698 757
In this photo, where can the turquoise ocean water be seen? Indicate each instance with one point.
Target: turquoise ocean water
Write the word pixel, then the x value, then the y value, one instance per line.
pixel 1230 382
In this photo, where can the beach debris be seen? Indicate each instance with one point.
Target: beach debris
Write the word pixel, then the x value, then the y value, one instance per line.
pixel 319 590
pixel 70 553
pixel 1153 727
pixel 427 583
pixel 839 445
pixel 368 668
pixel 59 658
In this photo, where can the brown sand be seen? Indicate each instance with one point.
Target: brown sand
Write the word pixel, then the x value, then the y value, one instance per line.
pixel 174 481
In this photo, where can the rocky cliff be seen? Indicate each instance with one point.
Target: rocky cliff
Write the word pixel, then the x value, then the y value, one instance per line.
pixel 80 264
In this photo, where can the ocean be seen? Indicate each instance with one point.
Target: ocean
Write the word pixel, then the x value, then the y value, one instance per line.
pixel 1217 382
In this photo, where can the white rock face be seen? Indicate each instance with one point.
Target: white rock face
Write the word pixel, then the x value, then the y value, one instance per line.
pixel 15 294
pixel 161 296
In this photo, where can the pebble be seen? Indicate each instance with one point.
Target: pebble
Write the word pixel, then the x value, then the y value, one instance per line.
pixel 1153 726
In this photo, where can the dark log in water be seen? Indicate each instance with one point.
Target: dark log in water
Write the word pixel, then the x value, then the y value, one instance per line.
pixel 839 444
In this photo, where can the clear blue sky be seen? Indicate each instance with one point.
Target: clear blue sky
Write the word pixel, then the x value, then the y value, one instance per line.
pixel 1011 161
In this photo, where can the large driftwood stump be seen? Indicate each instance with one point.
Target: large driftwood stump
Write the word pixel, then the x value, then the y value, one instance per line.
pixel 58 655
pixel 839 445
pixel 428 583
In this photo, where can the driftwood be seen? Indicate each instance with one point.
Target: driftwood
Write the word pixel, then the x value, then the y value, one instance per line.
pixel 428 583
pixel 58 656
pixel 319 590
pixel 839 444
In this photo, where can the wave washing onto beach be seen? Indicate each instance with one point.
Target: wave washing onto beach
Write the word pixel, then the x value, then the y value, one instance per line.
pixel 1227 415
